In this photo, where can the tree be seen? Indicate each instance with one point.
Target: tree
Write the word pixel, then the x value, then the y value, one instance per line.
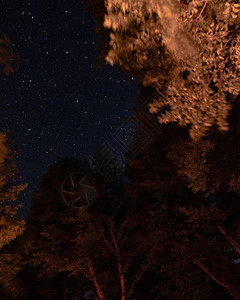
pixel 195 231
pixel 98 9
pixel 9 60
pixel 204 91
pixel 202 162
pixel 190 239
pixel 46 234
pixel 190 55
pixel 95 243
pixel 136 41
pixel 10 225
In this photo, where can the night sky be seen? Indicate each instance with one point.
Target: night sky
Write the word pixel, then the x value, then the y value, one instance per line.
pixel 58 104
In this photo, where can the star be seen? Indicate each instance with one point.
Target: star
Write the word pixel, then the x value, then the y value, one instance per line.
pixel 58 97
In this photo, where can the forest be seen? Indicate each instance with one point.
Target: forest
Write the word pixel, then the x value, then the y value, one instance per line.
pixel 166 225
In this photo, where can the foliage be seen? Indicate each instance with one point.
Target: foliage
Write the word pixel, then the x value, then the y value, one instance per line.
pixel 10 227
pixel 8 58
pixel 136 40
pixel 172 225
pixel 210 164
pixel 62 240
pixel 150 231
pixel 191 55
pixel 211 85
pixel 189 244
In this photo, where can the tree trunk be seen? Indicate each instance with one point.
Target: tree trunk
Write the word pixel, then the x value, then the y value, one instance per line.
pixel 119 264
pixel 94 278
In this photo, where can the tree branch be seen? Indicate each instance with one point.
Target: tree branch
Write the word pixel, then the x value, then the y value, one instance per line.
pixel 105 240
pixel 201 11
pixel 229 238
pixel 230 288
pixel 120 269
pixel 94 278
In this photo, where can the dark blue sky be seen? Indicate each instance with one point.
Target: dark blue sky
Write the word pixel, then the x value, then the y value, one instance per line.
pixel 58 104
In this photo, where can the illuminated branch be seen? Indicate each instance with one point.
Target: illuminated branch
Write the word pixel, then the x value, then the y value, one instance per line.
pixel 120 269
pixel 138 275
pixel 230 288
pixel 201 11
pixel 105 240
pixel 229 238
pixel 94 278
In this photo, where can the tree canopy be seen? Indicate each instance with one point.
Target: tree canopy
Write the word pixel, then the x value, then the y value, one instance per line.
pixel 167 224
pixel 190 55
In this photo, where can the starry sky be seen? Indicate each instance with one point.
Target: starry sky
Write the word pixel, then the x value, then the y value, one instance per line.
pixel 58 104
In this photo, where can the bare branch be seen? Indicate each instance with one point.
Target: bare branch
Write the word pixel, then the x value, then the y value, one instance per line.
pixel 230 288
pixel 229 238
